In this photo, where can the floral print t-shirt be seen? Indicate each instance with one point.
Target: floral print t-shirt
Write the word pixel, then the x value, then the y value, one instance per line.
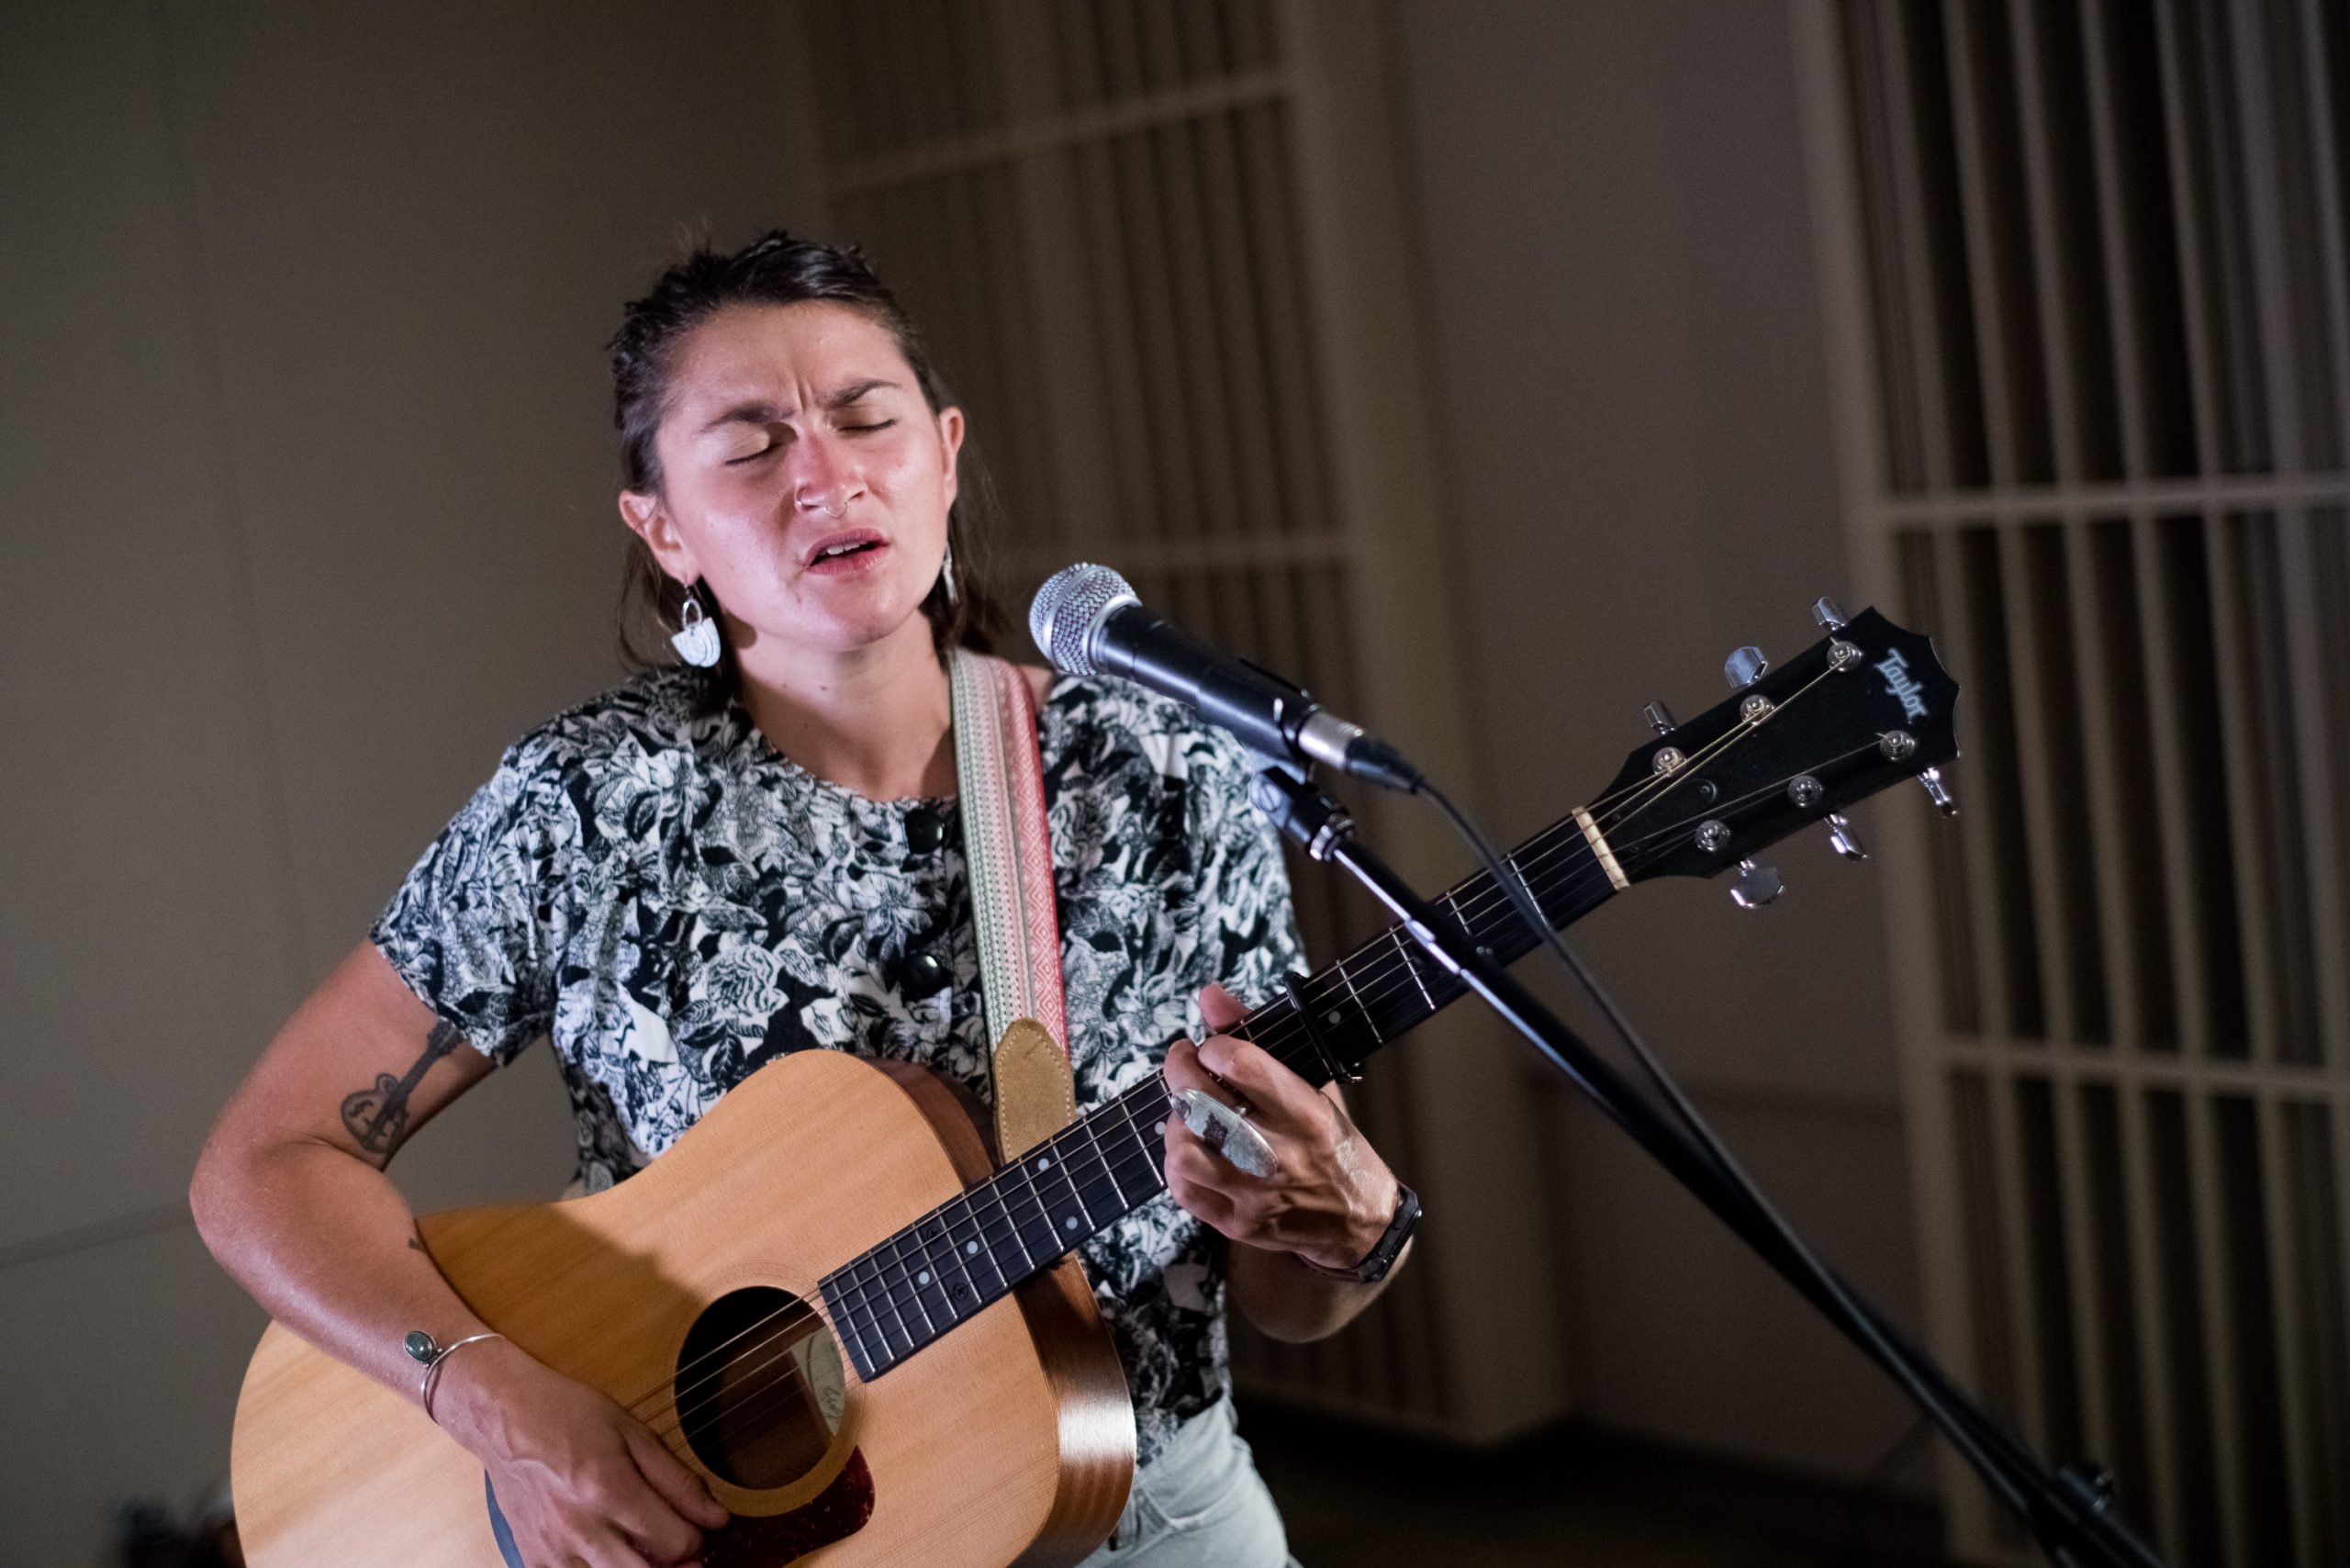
pixel 675 903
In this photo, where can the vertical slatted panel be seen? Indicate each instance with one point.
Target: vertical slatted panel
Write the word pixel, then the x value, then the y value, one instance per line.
pixel 1088 206
pixel 2136 1229
pixel 2116 1237
pixel 2105 336
pixel 2309 1158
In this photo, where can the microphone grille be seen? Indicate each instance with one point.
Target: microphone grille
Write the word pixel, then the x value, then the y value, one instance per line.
pixel 1063 615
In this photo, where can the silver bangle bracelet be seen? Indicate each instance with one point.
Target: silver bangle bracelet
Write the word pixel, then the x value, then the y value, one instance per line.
pixel 422 1346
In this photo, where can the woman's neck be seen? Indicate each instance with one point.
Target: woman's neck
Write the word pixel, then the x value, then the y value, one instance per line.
pixel 877 721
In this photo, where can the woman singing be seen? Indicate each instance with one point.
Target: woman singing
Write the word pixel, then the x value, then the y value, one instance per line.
pixel 707 868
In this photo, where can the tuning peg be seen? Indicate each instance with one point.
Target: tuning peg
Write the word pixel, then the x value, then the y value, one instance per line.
pixel 1660 718
pixel 1936 791
pixel 1829 613
pixel 1756 885
pixel 1745 668
pixel 1842 839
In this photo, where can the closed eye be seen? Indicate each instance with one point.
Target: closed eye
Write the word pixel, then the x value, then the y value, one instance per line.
pixel 751 456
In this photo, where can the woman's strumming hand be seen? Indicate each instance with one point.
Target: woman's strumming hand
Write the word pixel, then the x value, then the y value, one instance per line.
pixel 579 1479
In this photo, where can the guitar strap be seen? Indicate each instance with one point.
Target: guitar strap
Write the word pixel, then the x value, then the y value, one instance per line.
pixel 1008 850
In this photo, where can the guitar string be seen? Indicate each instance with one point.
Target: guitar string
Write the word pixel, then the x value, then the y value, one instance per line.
pixel 761 1399
pixel 971 1224
pixel 1122 1204
pixel 1482 902
pixel 1481 899
pixel 1130 1105
pixel 953 1232
pixel 959 1228
pixel 1745 728
pixel 1691 764
pixel 883 1268
pixel 759 1396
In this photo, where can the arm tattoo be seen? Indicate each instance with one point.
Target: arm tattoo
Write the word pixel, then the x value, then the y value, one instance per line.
pixel 377 1117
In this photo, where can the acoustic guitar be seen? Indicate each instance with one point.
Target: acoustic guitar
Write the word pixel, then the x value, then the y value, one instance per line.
pixel 873 1344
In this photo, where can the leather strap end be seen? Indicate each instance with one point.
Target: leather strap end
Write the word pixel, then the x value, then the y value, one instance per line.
pixel 1035 1095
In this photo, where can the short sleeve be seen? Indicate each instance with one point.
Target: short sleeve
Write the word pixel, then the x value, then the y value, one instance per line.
pixel 478 927
pixel 1243 878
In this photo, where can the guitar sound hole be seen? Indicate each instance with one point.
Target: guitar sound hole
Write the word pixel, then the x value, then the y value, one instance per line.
pixel 760 1387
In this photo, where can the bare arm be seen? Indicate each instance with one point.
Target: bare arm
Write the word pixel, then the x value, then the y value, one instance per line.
pixel 290 1195
pixel 1330 1202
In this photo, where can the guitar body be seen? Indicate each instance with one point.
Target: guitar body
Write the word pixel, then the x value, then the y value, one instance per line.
pixel 1009 1439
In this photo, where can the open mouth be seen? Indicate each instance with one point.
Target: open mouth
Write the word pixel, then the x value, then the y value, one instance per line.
pixel 846 549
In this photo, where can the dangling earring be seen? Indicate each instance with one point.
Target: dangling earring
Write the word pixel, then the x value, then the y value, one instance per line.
pixel 947 575
pixel 696 638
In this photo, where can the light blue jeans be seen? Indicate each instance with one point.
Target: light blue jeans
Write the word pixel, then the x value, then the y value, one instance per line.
pixel 1199 1503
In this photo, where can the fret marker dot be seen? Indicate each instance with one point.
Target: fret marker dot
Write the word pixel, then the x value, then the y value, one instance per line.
pixel 1070 1223
pixel 1160 1130
pixel 1333 1015
pixel 1045 1163
pixel 923 1278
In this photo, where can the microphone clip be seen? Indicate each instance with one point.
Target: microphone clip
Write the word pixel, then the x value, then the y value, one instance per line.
pixel 1306 817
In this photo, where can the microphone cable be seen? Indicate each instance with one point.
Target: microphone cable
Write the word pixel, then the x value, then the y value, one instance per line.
pixel 1973 1434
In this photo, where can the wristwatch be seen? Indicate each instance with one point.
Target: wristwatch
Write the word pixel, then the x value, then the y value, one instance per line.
pixel 1385 1252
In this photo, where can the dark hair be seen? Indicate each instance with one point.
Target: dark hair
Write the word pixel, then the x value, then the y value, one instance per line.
pixel 777 268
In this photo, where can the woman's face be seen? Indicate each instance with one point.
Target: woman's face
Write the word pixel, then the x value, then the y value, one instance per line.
pixel 803 478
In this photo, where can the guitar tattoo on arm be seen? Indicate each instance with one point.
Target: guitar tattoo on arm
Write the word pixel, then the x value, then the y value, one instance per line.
pixel 378 1116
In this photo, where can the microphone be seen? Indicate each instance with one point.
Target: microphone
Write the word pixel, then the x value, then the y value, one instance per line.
pixel 1087 621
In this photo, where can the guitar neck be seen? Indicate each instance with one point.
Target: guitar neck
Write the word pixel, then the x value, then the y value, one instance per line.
pixel 902 1294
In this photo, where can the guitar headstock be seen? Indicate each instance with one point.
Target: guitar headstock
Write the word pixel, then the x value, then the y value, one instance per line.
pixel 1866 707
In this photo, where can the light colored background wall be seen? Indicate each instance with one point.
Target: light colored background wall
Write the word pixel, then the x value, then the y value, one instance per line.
pixel 1615 249
pixel 304 481
pixel 306 510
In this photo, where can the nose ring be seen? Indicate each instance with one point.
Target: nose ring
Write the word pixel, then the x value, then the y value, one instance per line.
pixel 842 511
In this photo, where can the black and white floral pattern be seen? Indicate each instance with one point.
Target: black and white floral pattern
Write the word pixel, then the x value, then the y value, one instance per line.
pixel 675 903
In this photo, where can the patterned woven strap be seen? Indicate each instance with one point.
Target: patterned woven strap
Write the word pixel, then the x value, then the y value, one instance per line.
pixel 1006 845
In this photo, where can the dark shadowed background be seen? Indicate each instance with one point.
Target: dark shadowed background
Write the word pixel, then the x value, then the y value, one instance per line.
pixel 1494 365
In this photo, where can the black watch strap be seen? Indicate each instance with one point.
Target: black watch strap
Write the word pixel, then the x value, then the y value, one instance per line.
pixel 1385 1252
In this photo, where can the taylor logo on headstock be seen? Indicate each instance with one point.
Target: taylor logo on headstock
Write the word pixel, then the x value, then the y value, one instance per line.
pixel 1794 745
pixel 1898 683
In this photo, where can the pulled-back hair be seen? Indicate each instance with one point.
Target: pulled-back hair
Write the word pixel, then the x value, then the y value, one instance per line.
pixel 777 268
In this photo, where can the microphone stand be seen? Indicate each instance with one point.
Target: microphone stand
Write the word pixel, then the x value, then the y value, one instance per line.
pixel 2068 1511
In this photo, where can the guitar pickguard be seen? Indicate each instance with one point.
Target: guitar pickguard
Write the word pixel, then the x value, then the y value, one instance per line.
pixel 835 1514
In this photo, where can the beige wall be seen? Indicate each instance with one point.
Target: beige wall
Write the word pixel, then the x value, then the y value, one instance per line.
pixel 304 479
pixel 305 511
pixel 1615 253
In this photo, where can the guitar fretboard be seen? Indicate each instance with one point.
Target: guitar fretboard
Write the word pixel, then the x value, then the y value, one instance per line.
pixel 896 1298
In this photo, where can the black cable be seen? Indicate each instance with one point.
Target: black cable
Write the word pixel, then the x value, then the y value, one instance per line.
pixel 1862 1326
pixel 1997 1455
